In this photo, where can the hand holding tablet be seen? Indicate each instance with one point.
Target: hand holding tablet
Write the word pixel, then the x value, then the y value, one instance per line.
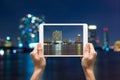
pixel 63 40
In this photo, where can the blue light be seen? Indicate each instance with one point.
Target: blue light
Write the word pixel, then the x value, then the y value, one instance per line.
pixel 107 49
pixel 21 26
pixel 32 45
pixel 23 32
pixel 7 38
pixel 14 51
pixel 30 30
pixel 20 45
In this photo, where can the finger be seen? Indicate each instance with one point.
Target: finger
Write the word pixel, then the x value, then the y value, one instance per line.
pixel 39 49
pixel 92 50
pixel 33 53
pixel 86 50
pixel 92 47
pixel 34 50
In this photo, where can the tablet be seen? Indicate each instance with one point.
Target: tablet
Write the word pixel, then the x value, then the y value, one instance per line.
pixel 63 39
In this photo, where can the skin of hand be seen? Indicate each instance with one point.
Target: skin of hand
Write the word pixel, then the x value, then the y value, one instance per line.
pixel 39 62
pixel 88 60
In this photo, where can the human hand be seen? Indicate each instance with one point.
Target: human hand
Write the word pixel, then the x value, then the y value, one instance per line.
pixel 89 57
pixel 39 62
pixel 88 60
pixel 38 58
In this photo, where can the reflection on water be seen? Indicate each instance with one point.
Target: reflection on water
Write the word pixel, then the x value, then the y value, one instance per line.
pixel 20 67
pixel 15 67
pixel 57 49
pixel 63 49
pixel 79 49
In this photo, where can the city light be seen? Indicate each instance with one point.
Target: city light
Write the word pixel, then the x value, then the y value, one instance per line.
pixel 21 26
pixel 107 49
pixel 92 27
pixel 32 35
pixel 78 34
pixel 14 51
pixel 1 52
pixel 33 19
pixel 7 38
pixel 20 45
pixel 29 15
pixel 32 45
pixel 92 34
pixel 105 29
pixel 29 30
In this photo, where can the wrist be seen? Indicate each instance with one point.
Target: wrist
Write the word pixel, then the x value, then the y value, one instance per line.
pixel 36 74
pixel 89 74
pixel 38 70
pixel 88 69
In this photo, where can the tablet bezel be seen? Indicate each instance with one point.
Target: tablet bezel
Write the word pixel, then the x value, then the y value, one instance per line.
pixel 41 36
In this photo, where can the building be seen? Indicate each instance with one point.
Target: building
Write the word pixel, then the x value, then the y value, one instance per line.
pixel 105 39
pixel 57 40
pixel 57 36
pixel 78 39
pixel 92 34
pixel 79 44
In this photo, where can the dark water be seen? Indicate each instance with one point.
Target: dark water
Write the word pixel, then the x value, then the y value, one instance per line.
pixel 15 67
pixel 20 67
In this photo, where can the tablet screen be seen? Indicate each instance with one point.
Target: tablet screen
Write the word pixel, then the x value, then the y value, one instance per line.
pixel 63 39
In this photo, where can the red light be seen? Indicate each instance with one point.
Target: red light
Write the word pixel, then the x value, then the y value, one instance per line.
pixel 2 40
pixel 105 29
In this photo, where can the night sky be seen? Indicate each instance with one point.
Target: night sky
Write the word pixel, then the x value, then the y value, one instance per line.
pixel 68 32
pixel 103 13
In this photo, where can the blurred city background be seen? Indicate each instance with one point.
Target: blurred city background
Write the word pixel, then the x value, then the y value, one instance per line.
pixel 19 22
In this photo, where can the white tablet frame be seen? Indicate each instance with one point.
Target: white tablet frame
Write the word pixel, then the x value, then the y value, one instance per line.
pixel 41 36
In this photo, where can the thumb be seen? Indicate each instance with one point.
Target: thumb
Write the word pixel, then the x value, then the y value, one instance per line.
pixel 86 51
pixel 39 49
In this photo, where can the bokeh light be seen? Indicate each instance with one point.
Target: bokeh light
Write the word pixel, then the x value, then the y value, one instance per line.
pixel 29 29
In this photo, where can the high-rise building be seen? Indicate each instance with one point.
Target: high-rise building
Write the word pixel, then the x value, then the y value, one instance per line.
pixel 57 39
pixel 57 36
pixel 78 38
pixel 106 39
pixel 92 34
pixel 78 43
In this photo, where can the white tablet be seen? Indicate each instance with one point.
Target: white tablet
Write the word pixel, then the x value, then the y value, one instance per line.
pixel 63 40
